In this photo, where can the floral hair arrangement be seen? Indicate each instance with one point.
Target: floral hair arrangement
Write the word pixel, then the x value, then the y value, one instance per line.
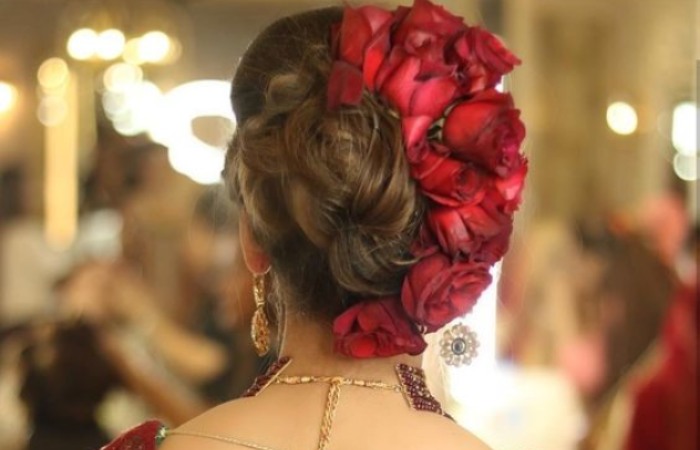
pixel 462 139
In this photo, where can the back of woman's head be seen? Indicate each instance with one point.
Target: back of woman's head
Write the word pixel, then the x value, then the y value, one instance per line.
pixel 378 167
pixel 328 194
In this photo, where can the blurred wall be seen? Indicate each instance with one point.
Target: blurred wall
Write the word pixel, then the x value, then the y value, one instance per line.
pixel 580 55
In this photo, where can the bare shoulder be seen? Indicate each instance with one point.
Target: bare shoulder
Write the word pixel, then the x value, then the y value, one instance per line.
pixel 458 438
pixel 271 423
pixel 433 431
pixel 226 420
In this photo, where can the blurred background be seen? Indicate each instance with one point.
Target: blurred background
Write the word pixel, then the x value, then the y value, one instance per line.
pixel 123 295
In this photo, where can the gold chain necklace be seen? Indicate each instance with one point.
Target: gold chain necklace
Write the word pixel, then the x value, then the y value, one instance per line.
pixel 216 437
pixel 333 397
pixel 411 385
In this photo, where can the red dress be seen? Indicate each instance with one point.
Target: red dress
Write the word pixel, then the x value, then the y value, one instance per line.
pixel 666 403
pixel 146 436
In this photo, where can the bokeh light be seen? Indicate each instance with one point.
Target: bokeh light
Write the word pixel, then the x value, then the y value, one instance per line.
pixel 110 44
pixel 685 129
pixel 131 52
pixel 188 154
pixel 8 97
pixel 154 47
pixel 686 166
pixel 52 111
pixel 53 74
pixel 120 76
pixel 622 118
pixel 82 44
pixel 133 109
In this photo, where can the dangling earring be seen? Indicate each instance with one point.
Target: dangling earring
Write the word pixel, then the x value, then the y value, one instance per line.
pixel 459 345
pixel 260 327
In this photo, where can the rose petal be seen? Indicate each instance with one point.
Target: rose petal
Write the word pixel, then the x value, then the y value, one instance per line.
pixel 355 34
pixel 492 249
pixel 468 119
pixel 436 290
pixel 486 130
pixel 511 187
pixel 482 60
pixel 427 16
pixel 344 86
pixel 376 17
pixel 363 347
pixel 492 51
pixel 378 327
pixel 448 181
pixel 375 55
pixel 450 230
pixel 401 85
pixel 415 132
pixel 433 96
pixel 396 56
pixel 425 244
pixel 463 230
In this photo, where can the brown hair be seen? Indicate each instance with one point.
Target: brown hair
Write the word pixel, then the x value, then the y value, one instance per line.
pixel 328 194
pixel 634 288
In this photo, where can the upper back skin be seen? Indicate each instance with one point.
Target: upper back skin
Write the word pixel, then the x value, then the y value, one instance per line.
pixel 290 417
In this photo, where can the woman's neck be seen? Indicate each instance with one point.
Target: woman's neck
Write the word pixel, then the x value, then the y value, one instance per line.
pixel 310 345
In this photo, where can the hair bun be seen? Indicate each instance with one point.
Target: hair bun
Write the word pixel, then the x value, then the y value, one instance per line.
pixel 340 180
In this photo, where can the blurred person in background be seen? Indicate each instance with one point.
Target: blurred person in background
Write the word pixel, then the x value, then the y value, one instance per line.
pixel 212 351
pixel 156 209
pixel 647 316
pixel 210 356
pixel 539 316
pixel 28 265
pixel 66 377
pixel 601 306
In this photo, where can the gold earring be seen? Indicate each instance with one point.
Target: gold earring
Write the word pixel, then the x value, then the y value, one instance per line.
pixel 260 327
pixel 459 345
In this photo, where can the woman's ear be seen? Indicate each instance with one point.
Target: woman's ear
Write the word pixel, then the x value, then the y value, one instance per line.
pixel 255 258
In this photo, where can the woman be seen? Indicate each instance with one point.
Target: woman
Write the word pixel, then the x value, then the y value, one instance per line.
pixel 377 170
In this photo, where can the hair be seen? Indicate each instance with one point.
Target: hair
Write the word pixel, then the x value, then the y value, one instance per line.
pixel 214 210
pixel 328 195
pixel 637 283
pixel 66 376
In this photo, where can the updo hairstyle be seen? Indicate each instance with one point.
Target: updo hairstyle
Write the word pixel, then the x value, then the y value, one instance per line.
pixel 328 195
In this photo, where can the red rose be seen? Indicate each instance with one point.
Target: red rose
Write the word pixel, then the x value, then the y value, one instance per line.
pixel 482 60
pixel 425 31
pixel 358 30
pixel 425 17
pixel 506 193
pixel 400 82
pixel 486 130
pixel 425 243
pixel 376 328
pixel 360 43
pixel 436 291
pixel 494 248
pixel 462 140
pixel 463 230
pixel 445 180
pixel 415 130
